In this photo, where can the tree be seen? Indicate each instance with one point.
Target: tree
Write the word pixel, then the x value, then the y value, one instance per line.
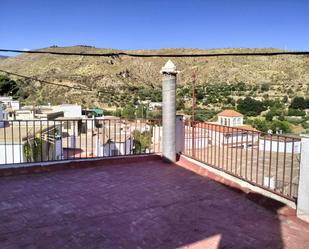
pixel 128 112
pixel 7 86
pixel 269 116
pixel 260 124
pixel 296 112
pixel 250 106
pixel 299 103
pixel 277 125
pixel 142 141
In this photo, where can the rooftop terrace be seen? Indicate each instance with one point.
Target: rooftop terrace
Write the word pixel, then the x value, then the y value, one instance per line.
pixel 137 204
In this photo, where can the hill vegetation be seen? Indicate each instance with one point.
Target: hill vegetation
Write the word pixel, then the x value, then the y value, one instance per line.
pixel 120 84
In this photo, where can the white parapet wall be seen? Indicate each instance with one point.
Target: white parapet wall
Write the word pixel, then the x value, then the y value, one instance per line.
pixel 303 189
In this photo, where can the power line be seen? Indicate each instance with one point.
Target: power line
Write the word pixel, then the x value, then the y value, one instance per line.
pixel 158 55
pixel 42 81
pixel 52 83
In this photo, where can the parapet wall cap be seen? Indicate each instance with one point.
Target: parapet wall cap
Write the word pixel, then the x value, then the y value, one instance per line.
pixel 305 136
pixel 169 67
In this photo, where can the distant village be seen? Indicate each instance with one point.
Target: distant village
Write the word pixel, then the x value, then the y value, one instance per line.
pixel 47 132
pixel 67 131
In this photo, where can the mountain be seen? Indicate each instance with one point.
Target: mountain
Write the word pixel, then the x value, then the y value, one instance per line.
pixel 3 57
pixel 124 75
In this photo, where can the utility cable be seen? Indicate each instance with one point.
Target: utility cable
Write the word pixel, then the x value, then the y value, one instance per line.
pixel 158 55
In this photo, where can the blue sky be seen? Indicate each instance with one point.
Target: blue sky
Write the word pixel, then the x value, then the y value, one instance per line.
pixel 145 24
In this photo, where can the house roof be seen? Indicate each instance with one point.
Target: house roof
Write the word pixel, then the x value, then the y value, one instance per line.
pixel 231 129
pixel 202 131
pixel 230 113
pixel 19 133
pixel 285 139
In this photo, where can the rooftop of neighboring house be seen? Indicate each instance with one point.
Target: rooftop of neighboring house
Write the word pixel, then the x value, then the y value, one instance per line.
pixel 68 118
pixel 139 203
pixel 285 138
pixel 233 130
pixel 204 128
pixel 229 113
pixel 109 117
pixel 19 132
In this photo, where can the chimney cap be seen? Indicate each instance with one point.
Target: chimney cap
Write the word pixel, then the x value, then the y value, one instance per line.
pixel 169 67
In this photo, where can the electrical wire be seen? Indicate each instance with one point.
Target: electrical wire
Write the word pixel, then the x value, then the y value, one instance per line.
pixel 157 55
pixel 52 83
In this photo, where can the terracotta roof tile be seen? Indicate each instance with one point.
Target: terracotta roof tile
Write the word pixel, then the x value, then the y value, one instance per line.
pixel 230 113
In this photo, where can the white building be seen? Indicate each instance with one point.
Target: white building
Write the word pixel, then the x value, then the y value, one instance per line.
pixel 230 118
pixel 26 113
pixel 229 131
pixel 114 140
pixel 69 110
pixel 280 144
pixel 114 147
pixel 10 103
pixel 26 143
pixel 155 105
pixel 208 134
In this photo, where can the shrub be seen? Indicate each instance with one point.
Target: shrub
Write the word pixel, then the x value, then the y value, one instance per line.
pixel 299 103
pixel 250 106
pixel 296 112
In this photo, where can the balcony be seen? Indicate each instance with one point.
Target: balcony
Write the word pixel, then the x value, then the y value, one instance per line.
pixel 139 202
pixel 102 184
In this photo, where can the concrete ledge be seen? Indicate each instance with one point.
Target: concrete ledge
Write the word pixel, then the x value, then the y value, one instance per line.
pixel 73 164
pixel 230 180
pixel 285 209
pixel 260 196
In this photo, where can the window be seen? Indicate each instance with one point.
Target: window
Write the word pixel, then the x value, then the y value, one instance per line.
pixel 239 121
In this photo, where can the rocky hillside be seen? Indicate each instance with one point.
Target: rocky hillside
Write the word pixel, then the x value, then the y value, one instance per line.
pixel 125 74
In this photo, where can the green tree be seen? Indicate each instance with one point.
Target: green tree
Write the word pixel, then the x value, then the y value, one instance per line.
pixel 260 124
pixel 277 125
pixel 129 112
pixel 8 86
pixel 269 116
pixel 299 103
pixel 142 141
pixel 296 112
pixel 250 106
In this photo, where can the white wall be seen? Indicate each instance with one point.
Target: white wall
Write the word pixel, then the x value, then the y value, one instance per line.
pixel 124 148
pixel 204 137
pixel 69 110
pixel 274 146
pixel 58 149
pixel 9 102
pixel 303 187
pixel 2 117
pixel 199 143
pixel 15 105
pixel 11 153
pixel 230 121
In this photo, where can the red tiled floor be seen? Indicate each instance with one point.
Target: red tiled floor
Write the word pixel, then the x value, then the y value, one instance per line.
pixel 138 205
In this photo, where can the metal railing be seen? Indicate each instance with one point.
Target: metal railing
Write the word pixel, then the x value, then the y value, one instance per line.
pixel 30 141
pixel 270 161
